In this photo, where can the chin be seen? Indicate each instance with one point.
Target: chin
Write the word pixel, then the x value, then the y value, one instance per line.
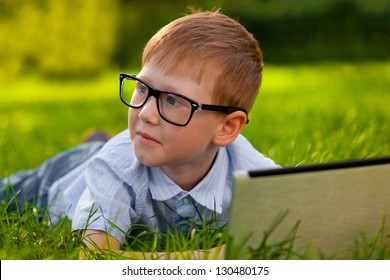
pixel 146 160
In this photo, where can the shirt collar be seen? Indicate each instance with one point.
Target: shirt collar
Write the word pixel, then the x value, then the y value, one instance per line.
pixel 161 186
pixel 209 192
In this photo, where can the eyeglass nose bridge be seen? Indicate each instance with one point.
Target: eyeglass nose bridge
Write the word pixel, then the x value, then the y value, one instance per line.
pixel 151 92
pixel 156 94
pixel 145 106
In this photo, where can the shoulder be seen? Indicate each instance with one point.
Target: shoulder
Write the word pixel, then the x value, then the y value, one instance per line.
pixel 244 156
pixel 117 157
pixel 116 183
pixel 118 151
pixel 118 144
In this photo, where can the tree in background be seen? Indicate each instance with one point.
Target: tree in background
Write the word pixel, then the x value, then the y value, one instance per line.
pixel 74 38
pixel 57 38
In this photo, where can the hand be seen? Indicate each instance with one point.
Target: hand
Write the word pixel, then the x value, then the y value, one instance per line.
pixel 100 240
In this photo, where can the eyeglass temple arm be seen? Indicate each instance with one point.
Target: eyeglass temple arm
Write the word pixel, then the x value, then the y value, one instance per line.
pixel 223 109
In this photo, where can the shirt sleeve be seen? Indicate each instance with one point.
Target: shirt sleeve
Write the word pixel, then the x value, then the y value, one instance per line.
pixel 245 157
pixel 108 201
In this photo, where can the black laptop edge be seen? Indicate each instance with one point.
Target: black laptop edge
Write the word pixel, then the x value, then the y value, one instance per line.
pixel 321 166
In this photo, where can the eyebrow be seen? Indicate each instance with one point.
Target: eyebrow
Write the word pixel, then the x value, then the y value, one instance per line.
pixel 173 90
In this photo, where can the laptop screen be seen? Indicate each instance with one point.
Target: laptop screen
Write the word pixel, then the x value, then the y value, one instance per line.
pixel 315 211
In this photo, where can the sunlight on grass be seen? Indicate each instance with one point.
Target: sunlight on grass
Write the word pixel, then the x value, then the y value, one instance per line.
pixel 304 114
pixel 35 89
pixel 320 113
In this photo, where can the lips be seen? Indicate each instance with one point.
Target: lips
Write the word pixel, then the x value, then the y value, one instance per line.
pixel 146 138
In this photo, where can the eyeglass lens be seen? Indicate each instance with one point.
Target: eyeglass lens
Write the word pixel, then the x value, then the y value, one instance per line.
pixel 170 106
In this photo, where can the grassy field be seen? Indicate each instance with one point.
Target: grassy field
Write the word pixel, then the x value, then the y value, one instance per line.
pixel 304 114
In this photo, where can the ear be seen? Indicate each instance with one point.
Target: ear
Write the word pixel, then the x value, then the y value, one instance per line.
pixel 230 128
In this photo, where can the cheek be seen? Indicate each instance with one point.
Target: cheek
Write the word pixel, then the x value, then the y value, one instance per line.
pixel 187 138
pixel 132 119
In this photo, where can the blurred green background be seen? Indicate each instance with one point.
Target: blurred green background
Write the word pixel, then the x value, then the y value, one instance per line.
pixel 76 38
pixel 324 97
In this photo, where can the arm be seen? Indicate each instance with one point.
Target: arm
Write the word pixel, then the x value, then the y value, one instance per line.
pixel 99 240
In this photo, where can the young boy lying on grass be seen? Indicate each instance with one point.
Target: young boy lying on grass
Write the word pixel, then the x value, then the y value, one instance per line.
pixel 173 168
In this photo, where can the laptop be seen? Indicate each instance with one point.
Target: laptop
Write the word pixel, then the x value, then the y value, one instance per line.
pixel 335 210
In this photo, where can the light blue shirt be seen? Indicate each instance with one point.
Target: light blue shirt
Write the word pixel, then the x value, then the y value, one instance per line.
pixel 114 190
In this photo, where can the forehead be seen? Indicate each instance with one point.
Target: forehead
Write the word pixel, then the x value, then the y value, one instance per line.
pixel 180 63
pixel 179 79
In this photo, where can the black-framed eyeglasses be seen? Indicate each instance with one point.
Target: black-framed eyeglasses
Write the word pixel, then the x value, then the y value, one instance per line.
pixel 172 107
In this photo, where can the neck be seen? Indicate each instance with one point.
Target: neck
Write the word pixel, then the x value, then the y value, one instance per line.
pixel 188 175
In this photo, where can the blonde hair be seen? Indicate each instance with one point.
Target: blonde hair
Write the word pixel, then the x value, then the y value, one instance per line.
pixel 213 46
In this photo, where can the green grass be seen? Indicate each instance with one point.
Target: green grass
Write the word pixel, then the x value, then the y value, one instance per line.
pixel 321 113
pixel 24 234
pixel 304 114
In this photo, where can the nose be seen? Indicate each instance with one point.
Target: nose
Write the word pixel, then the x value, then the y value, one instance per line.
pixel 149 113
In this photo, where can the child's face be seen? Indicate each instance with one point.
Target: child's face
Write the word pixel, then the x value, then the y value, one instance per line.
pixel 159 143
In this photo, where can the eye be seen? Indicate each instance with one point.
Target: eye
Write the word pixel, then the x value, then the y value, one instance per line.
pixel 141 88
pixel 172 100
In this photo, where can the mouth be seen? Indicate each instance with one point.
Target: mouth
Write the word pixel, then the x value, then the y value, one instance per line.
pixel 146 138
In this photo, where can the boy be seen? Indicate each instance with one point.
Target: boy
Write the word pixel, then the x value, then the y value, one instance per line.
pixel 174 167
